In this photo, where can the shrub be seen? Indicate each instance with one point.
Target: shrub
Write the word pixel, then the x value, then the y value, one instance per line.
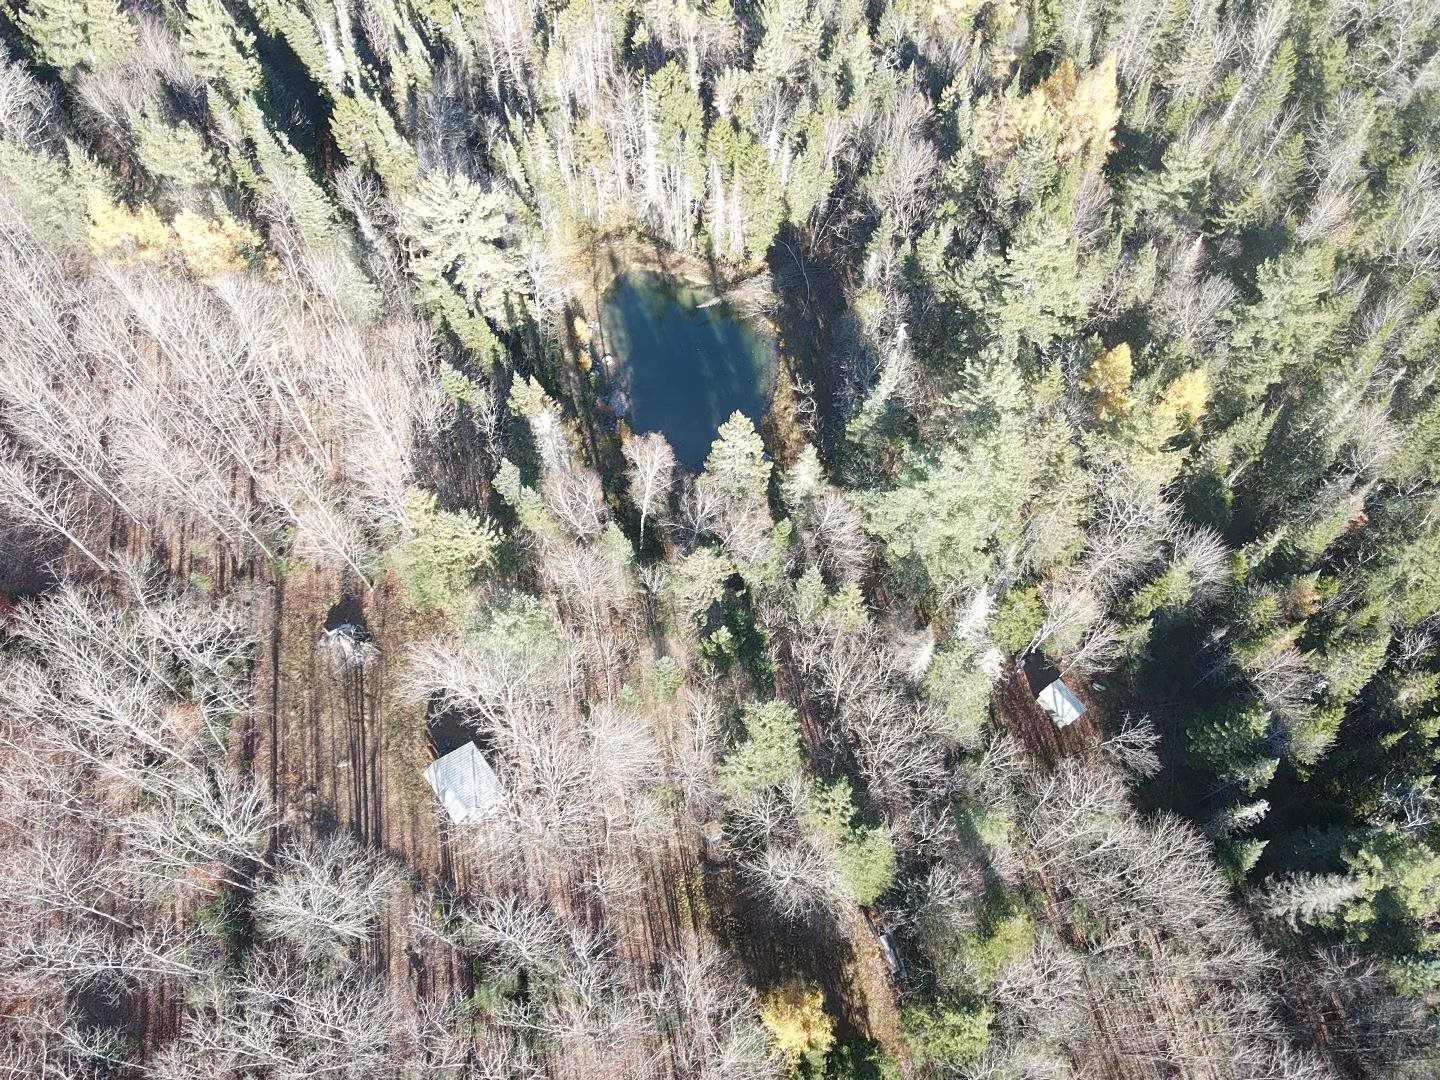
pixel 970 949
pixel 858 1060
pixel 719 648
pixel 666 678
pixel 223 917
pixel 695 583
pixel 460 387
pixel 962 690
pixel 1003 940
pixel 866 853
pixel 492 993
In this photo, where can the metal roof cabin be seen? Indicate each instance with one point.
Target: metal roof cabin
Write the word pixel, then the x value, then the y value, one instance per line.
pixel 1050 691
pixel 466 785
pixel 1061 703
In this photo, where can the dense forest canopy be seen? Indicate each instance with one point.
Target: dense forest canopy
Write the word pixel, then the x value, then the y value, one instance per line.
pixel 1107 337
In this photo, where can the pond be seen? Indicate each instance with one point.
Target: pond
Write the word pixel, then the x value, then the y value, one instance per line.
pixel 684 362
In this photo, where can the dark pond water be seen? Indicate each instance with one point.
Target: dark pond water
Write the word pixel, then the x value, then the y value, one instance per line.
pixel 683 368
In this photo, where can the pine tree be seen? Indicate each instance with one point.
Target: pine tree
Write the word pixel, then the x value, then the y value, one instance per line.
pixel 1233 745
pixel 464 259
pixel 444 552
pixel 767 755
pixel 1287 326
pixel 737 469
pixel 1308 898
pixel 746 198
pixel 69 34
pixel 680 142
pixel 219 49
pixel 365 133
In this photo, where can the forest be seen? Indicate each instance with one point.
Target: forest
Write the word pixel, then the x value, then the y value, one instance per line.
pixel 1103 353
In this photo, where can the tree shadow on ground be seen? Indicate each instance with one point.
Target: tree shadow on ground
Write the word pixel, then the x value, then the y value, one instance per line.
pixel 820 340
pixel 773 951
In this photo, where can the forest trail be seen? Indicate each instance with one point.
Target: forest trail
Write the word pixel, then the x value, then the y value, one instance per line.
pixel 342 749
pixel 340 743
pixel 857 977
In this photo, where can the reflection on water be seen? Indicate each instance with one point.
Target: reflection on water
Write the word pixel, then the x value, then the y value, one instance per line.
pixel 682 368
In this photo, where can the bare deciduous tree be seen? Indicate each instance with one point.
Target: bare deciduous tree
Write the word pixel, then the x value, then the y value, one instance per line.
pixel 574 495
pixel 238 404
pixel 652 473
pixel 714 1029
pixel 326 895
pixel 844 547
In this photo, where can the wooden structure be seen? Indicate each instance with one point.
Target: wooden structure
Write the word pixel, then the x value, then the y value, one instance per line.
pixel 465 784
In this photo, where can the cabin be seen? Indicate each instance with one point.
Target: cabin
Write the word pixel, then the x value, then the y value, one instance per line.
pixel 1060 702
pixel 1051 692
pixel 465 784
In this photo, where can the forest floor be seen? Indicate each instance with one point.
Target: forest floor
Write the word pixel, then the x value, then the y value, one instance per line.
pixel 1015 712
pixel 343 748
pixel 1167 1007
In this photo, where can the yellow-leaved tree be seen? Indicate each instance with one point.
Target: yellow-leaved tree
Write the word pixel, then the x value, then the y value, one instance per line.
pixel 1108 381
pixel 796 1016
pixel 115 231
pixel 1086 108
pixel 211 248
pixel 1183 401
pixel 1080 110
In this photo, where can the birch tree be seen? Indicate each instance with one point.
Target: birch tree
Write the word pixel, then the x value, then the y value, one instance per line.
pixel 651 474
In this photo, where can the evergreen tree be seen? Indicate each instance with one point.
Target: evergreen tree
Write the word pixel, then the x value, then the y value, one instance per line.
pixel 70 34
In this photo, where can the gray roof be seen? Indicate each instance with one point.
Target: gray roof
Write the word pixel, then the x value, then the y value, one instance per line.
pixel 1061 703
pixel 467 786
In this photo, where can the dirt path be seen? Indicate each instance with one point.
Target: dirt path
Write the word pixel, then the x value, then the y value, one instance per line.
pixel 853 970
pixel 341 748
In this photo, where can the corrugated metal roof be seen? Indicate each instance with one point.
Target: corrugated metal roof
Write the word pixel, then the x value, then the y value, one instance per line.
pixel 1061 703
pixel 468 788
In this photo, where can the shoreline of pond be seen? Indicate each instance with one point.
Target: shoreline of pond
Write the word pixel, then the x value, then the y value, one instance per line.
pixel 748 289
pixel 595 266
pixel 684 360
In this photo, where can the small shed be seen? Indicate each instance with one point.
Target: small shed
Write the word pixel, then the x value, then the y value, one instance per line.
pixel 1061 703
pixel 465 784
